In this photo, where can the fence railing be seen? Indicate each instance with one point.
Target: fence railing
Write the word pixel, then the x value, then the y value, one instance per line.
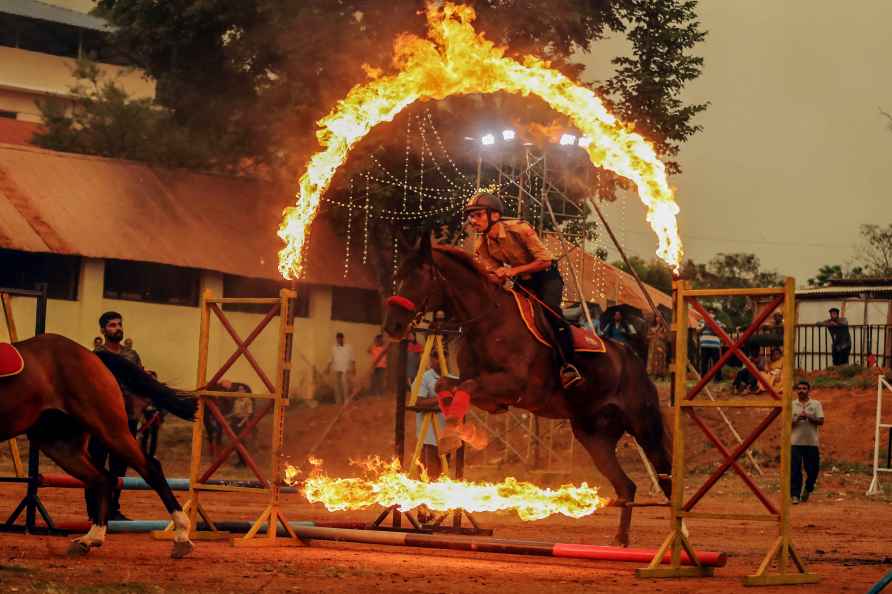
pixel 814 346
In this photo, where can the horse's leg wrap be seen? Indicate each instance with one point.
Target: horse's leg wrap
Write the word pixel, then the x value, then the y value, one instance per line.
pixel 93 539
pixel 182 546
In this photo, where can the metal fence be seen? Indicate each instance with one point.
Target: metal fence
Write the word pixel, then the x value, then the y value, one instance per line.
pixel 814 346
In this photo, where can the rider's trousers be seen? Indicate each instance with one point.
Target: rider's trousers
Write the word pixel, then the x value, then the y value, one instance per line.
pixel 549 287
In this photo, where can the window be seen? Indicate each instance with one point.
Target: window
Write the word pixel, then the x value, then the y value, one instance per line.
pixel 25 270
pixel 242 286
pixel 355 305
pixel 8 114
pixel 151 282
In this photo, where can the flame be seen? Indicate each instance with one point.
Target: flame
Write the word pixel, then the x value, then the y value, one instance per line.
pixel 455 60
pixel 388 486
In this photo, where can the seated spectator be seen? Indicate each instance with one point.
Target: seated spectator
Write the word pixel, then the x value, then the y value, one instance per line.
pixel 773 374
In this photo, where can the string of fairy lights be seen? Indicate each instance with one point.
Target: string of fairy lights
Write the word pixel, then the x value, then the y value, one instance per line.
pixel 443 198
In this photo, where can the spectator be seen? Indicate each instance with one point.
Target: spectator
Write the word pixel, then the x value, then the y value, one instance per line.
pixel 658 349
pixel 343 363
pixel 745 380
pixel 841 345
pixel 238 417
pixel 111 326
pixel 427 398
pixel 430 453
pixel 379 376
pixel 774 370
pixel 710 351
pixel 413 357
pixel 618 328
pixel 808 415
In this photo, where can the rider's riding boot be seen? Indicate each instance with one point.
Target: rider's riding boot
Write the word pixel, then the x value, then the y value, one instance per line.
pixel 570 376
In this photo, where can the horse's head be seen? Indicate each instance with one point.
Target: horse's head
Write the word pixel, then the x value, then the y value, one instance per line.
pixel 419 289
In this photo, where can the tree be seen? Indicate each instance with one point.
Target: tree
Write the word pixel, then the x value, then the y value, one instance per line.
pixel 727 271
pixel 250 79
pixel 104 120
pixel 830 272
pixel 653 272
pixel 875 253
pixel 255 76
pixel 825 274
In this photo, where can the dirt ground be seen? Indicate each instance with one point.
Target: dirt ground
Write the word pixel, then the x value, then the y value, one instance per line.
pixel 841 534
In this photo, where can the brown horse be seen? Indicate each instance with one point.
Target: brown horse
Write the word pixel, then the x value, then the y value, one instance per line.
pixel 66 394
pixel 501 366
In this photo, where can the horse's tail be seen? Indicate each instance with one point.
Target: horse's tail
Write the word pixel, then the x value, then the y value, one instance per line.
pixel 132 377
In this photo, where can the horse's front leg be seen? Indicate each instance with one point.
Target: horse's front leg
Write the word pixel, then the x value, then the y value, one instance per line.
pixel 487 393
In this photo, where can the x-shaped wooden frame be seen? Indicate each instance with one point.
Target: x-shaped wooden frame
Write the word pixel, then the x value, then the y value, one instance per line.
pixel 237 440
pixel 730 458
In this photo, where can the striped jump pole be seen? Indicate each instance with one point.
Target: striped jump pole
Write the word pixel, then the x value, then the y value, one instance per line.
pixel 498 545
pixel 131 483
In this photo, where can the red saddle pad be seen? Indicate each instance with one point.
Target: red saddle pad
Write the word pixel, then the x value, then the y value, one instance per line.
pixel 11 362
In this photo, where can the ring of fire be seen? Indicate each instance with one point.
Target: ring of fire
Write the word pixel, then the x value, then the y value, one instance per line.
pixel 456 60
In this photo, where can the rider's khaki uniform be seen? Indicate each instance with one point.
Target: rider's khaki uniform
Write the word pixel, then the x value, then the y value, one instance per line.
pixel 510 242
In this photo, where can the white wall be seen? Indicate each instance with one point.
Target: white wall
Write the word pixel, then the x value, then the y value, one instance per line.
pixel 813 311
pixel 166 336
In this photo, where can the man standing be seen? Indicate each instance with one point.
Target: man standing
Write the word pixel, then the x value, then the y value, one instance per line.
pixel 111 326
pixel 379 375
pixel 343 363
pixel 839 336
pixel 808 415
pixel 710 351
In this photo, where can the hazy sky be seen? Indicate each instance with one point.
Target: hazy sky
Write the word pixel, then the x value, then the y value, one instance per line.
pixel 794 154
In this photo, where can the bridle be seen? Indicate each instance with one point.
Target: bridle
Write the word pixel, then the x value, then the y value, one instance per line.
pixel 410 306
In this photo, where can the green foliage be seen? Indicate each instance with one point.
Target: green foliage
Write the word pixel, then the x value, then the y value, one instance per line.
pixel 654 272
pixel 825 274
pixel 875 253
pixel 726 271
pixel 828 273
pixel 103 120
pixel 648 85
pixel 253 77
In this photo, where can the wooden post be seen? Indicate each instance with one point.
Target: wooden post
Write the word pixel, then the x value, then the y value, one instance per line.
pixel 6 301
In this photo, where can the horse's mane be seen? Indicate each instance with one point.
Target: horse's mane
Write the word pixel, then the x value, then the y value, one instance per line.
pixel 461 256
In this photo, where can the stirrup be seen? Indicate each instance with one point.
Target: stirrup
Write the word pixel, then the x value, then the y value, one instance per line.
pixel 570 376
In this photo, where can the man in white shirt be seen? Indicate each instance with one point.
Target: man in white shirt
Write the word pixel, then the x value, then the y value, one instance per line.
pixel 808 415
pixel 343 363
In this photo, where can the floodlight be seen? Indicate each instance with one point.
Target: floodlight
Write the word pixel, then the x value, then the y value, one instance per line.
pixel 585 141
pixel 488 139
pixel 508 134
pixel 567 139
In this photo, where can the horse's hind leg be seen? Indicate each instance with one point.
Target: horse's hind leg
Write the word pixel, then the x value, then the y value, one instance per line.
pixel 125 446
pixel 599 436
pixel 647 429
pixel 64 442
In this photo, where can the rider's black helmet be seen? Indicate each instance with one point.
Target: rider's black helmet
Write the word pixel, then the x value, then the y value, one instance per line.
pixel 485 201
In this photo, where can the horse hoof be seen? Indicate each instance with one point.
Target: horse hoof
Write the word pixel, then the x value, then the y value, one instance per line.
pixel 78 549
pixel 181 549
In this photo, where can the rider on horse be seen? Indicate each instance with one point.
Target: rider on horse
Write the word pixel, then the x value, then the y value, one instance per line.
pixel 511 248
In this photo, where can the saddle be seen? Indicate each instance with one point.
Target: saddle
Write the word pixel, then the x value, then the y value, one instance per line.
pixel 11 362
pixel 584 341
